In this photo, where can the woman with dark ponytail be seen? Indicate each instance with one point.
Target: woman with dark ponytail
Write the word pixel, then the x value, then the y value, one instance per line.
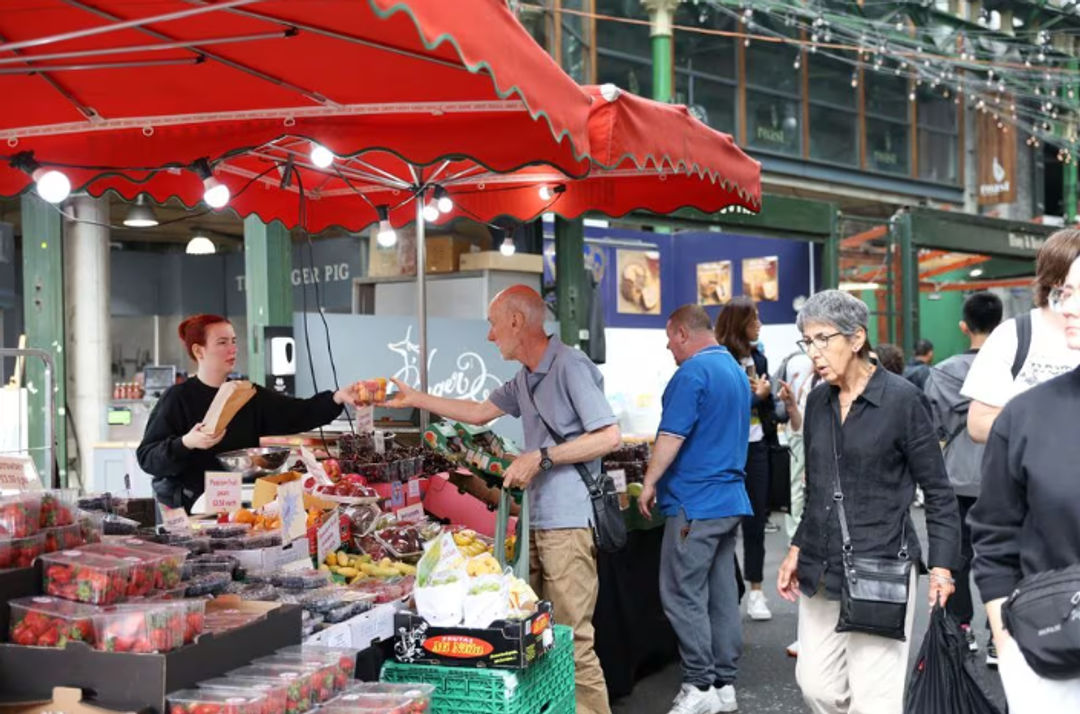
pixel 175 450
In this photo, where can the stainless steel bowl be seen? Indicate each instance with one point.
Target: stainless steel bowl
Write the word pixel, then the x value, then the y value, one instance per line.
pixel 256 461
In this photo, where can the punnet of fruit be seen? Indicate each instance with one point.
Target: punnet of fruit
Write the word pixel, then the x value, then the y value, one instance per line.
pixel 45 621
pixel 87 577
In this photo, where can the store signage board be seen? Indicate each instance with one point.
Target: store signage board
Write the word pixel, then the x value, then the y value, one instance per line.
pixel 18 473
pixel 223 491
pixel 290 496
pixel 329 535
pixel 174 520
pixel 413 490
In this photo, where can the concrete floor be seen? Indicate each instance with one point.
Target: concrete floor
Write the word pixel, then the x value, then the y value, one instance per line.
pixel 767 675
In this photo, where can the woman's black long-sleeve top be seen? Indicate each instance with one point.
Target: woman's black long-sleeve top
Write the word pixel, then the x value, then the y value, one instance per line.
pixel 887 445
pixel 179 472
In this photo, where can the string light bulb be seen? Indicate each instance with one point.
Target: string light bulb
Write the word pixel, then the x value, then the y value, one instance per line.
pixel 431 212
pixel 215 193
pixel 386 237
pixel 51 185
pixel 321 157
pixel 507 246
pixel 442 200
pixel 854 80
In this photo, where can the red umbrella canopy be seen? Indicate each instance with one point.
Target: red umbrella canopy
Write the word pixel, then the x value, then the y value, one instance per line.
pixel 116 86
pixel 645 155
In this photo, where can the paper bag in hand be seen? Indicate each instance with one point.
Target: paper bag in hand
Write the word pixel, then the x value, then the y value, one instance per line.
pixel 229 399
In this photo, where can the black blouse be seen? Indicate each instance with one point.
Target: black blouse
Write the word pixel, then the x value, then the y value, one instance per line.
pixel 886 445
pixel 179 472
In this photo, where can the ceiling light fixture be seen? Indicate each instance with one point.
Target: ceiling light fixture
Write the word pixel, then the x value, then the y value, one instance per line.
pixel 200 245
pixel 141 214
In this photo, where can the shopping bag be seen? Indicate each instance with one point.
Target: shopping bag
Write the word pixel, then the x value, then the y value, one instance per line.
pixel 942 682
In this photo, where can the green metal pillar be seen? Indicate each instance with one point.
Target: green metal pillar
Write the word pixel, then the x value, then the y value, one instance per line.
pixel 661 17
pixel 43 316
pixel 909 282
pixel 268 280
pixel 830 258
pixel 570 283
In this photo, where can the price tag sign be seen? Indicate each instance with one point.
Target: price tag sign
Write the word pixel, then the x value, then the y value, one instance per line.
pixel 397 495
pixel 329 535
pixel 223 491
pixel 340 636
pixel 411 514
pixel 18 473
pixel 365 420
pixel 619 477
pixel 414 488
pixel 290 497
pixel 174 520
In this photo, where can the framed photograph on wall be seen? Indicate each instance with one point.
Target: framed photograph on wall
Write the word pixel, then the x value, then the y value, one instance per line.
pixel 714 282
pixel 639 281
pixel 761 278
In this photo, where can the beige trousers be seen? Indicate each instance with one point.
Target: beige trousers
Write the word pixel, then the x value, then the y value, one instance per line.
pixel 850 672
pixel 562 569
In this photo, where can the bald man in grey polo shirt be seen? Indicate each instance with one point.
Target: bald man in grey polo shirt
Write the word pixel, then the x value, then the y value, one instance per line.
pixel 569 391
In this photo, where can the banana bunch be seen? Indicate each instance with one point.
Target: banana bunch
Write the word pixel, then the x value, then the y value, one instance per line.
pixel 359 567
pixel 482 565
pixel 470 544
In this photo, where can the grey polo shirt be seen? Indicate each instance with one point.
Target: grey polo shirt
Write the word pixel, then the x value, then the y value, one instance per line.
pixel 569 391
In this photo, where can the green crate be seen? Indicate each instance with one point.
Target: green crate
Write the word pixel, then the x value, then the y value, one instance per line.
pixel 547 687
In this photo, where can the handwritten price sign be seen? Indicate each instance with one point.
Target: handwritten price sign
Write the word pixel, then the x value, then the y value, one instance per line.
pixel 222 491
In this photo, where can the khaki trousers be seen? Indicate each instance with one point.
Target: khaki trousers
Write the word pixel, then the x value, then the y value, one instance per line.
pixel 562 569
pixel 850 672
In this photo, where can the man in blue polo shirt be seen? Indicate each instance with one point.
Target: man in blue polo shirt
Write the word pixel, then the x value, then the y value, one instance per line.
pixel 696 476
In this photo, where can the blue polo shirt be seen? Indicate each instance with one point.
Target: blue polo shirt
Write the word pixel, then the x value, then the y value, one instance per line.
pixel 707 404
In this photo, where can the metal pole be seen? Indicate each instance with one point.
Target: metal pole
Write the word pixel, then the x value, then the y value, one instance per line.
pixel 661 17
pixel 50 411
pixel 421 301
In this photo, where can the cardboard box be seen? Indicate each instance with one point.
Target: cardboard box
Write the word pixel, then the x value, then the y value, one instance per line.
pixel 274 558
pixel 65 700
pixel 135 682
pixel 266 487
pixel 445 253
pixel 494 260
pixel 505 644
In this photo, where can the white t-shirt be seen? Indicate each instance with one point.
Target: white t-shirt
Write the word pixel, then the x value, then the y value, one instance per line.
pixel 990 380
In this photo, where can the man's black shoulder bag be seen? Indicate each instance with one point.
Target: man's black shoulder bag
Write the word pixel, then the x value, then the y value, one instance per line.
pixel 608 527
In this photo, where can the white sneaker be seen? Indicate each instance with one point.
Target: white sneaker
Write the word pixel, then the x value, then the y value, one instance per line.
pixel 725 699
pixel 691 700
pixel 756 607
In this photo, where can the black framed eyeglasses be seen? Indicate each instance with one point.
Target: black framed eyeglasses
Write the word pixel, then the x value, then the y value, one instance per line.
pixel 820 342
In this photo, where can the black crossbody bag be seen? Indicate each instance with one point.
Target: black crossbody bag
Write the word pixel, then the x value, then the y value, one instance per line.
pixel 608 526
pixel 874 593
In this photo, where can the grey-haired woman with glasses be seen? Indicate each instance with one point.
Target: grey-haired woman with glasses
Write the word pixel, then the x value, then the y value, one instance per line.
pixel 871 429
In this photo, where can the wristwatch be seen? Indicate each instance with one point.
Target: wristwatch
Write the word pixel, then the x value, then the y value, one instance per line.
pixel 545 461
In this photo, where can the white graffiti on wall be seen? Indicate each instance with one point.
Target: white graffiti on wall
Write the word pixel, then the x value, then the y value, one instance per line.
pixel 469 378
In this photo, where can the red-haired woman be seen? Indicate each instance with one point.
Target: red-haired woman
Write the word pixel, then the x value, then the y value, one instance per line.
pixel 174 449
pixel 738 328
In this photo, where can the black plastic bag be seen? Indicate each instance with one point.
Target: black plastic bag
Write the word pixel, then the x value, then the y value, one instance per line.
pixel 942 682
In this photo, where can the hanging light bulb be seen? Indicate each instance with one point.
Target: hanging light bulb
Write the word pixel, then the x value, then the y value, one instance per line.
pixel 854 80
pixel 215 193
pixel 321 156
pixel 386 237
pixel 431 212
pixel 442 200
pixel 51 185
pixel 798 61
pixel 911 96
pixel 507 247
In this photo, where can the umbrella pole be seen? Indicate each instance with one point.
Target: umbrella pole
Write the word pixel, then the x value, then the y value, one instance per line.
pixel 421 302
